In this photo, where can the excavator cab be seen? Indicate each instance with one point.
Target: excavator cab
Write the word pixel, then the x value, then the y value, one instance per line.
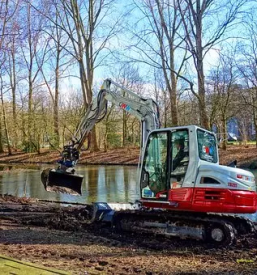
pixel 172 158
pixel 180 169
pixel 165 162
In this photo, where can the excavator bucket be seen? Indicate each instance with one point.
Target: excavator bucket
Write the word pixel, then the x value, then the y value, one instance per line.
pixel 62 182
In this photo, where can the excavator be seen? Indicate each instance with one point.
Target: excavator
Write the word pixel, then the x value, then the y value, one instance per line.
pixel 184 191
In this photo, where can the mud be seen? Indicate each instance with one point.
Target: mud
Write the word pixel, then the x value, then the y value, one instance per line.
pixel 60 236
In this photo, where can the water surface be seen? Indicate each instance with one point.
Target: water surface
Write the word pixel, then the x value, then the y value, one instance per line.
pixel 101 183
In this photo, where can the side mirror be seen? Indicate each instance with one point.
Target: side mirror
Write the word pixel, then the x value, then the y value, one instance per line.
pixel 144 179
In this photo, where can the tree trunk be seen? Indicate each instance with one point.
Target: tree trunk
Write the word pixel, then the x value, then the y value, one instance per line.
pixel 204 119
pixel 174 108
pixel 165 110
pixel 255 123
pixel 83 80
pixel 38 144
pixel 56 103
pixel 5 125
pixel 93 146
pixel 124 129
pixel 30 117
pixel 1 135
pixel 13 88
pixel 224 132
pixel 105 138
pixel 6 131
pixel 173 91
pixel 255 127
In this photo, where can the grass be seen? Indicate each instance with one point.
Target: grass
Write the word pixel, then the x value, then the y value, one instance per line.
pixel 241 143
pixel 12 266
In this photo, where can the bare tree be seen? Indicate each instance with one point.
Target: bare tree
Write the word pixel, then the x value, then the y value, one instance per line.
pixel 58 62
pixel 224 90
pixel 204 28
pixel 162 98
pixel 247 66
pixel 3 111
pixel 8 10
pixel 13 58
pixel 157 40
pixel 33 48
pixel 89 31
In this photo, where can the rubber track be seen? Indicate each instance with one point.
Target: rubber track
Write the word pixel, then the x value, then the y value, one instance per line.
pixel 237 225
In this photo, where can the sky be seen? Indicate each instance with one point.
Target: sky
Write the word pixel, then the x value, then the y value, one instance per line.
pixel 122 41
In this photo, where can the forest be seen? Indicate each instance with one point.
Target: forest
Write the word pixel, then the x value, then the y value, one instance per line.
pixel 196 58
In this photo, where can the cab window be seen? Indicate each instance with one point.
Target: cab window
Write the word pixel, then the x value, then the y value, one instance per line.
pixel 207 146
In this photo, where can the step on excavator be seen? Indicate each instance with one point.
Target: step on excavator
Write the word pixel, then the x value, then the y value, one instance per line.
pixel 184 191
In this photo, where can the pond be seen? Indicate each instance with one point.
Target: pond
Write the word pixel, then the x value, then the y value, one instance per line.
pixel 101 183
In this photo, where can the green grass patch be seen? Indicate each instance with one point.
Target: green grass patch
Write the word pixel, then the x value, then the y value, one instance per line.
pixel 12 266
pixel 241 143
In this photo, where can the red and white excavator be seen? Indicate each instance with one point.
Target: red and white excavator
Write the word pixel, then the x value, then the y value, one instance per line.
pixel 184 191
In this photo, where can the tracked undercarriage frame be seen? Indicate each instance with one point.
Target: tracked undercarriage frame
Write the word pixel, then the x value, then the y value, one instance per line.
pixel 218 229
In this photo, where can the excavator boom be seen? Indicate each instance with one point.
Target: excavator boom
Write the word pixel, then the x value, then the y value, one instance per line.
pixel 64 179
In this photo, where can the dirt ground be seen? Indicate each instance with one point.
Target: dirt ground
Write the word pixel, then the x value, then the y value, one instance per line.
pixel 53 236
pixel 245 155
pixel 62 238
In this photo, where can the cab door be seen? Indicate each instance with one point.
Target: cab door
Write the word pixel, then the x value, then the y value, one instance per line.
pixel 179 157
pixel 181 162
pixel 154 181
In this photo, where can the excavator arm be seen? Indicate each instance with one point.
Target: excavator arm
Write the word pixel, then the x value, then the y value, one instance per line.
pixel 64 178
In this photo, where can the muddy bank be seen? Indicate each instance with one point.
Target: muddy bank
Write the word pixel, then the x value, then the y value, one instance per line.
pixel 246 157
pixel 121 156
pixel 61 237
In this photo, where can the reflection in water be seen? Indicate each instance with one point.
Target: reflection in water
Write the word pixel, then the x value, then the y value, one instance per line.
pixel 101 183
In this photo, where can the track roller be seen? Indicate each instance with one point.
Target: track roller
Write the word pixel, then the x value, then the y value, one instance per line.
pixel 220 234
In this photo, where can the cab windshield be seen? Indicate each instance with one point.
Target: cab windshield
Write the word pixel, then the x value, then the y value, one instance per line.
pixel 207 147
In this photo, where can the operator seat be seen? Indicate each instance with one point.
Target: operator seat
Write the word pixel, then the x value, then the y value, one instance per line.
pixel 177 176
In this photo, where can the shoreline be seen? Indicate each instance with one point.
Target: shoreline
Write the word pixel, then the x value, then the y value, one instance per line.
pixel 245 155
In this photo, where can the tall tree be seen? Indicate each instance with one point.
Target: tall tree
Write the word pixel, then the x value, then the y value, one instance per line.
pixel 56 62
pixel 33 48
pixel 3 114
pixel 224 82
pixel 157 40
pixel 8 11
pixel 247 66
pixel 203 31
pixel 12 70
pixel 89 29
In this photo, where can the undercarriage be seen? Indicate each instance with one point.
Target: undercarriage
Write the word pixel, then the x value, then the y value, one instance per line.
pixel 218 229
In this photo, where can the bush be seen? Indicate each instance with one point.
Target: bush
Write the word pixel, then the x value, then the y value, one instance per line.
pixel 114 140
pixel 29 147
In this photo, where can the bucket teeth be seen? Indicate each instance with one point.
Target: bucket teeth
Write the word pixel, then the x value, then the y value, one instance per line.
pixel 62 182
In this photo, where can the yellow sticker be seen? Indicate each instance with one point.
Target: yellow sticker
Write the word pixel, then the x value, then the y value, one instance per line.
pixel 239 261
